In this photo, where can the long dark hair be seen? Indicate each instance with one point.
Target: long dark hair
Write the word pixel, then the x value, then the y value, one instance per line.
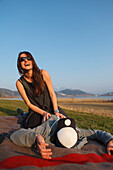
pixel 38 83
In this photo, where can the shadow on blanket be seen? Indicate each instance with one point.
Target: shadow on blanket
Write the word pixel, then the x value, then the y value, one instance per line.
pixel 92 156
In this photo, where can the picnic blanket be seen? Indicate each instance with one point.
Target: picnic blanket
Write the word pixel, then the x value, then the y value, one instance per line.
pixel 92 156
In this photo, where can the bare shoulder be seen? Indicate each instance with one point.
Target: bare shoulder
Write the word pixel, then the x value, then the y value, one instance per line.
pixel 45 74
pixel 18 83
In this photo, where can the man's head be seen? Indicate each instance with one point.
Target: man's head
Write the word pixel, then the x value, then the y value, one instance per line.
pixel 66 134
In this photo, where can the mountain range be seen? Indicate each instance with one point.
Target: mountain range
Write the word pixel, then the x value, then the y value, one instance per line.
pixel 8 93
pixel 70 92
pixel 62 93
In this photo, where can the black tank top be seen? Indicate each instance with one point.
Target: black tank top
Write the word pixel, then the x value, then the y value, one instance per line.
pixel 43 101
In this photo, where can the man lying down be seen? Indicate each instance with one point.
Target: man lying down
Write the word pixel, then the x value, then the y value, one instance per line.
pixel 61 133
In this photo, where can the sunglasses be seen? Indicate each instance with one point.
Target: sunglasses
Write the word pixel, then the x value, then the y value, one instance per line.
pixel 23 58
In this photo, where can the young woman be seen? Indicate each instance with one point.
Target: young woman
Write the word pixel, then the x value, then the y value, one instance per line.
pixel 35 87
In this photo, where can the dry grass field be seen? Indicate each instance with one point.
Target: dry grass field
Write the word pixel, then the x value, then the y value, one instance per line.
pixel 95 106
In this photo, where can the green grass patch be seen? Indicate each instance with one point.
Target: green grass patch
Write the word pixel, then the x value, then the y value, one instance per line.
pixel 83 120
pixel 8 107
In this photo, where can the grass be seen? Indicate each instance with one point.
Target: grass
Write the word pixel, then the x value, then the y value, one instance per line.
pixel 95 106
pixel 8 107
pixel 82 119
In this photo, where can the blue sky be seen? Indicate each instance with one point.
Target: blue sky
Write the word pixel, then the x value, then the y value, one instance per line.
pixel 72 39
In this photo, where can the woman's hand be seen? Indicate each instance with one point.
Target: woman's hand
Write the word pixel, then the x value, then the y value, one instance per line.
pixel 110 147
pixel 59 115
pixel 45 153
pixel 46 116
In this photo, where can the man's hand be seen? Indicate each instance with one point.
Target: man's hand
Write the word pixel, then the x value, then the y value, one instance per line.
pixel 45 153
pixel 59 115
pixel 110 147
pixel 46 116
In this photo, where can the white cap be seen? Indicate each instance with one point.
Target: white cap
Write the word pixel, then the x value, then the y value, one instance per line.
pixel 67 136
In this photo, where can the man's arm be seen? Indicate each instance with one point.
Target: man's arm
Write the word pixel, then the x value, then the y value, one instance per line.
pixel 101 136
pixel 42 147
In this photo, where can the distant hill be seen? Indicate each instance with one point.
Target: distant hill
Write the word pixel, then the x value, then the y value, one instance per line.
pixel 8 93
pixel 70 92
pixel 108 94
pixel 62 93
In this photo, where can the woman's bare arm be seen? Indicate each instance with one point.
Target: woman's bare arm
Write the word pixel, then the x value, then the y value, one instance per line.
pixel 48 82
pixel 28 103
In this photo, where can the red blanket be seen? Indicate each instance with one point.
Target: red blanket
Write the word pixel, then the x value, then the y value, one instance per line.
pixel 92 156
